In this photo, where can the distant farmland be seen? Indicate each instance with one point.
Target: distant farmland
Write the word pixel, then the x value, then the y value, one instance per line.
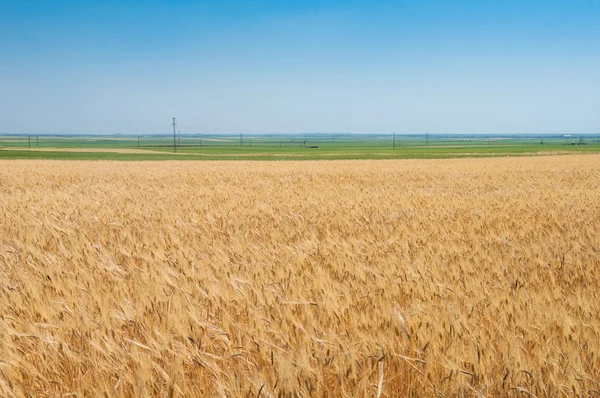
pixel 469 277
pixel 287 147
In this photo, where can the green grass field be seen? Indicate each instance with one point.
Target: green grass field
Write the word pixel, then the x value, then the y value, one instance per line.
pixel 282 147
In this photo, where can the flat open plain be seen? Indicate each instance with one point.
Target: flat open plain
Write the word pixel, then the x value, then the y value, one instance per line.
pixel 476 277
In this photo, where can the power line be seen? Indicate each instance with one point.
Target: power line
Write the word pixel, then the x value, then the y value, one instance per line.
pixel 174 135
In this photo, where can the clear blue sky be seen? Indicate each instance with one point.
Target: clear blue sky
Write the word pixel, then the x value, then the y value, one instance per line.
pixel 231 66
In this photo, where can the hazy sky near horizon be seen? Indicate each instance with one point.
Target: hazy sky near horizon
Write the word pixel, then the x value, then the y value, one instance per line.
pixel 265 66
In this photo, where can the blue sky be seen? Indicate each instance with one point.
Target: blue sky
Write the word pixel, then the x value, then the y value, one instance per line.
pixel 231 66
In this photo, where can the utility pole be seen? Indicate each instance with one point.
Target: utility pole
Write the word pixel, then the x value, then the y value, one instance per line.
pixel 29 137
pixel 37 138
pixel 394 140
pixel 174 137
pixel 426 138
pixel 241 140
pixel 138 142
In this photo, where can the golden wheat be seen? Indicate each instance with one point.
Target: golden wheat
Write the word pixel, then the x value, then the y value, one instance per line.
pixel 476 277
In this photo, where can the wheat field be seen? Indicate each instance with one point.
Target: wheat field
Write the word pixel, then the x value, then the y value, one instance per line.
pixel 468 277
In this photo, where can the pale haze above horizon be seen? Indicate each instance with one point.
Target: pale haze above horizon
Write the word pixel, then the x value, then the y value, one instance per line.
pixel 232 66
